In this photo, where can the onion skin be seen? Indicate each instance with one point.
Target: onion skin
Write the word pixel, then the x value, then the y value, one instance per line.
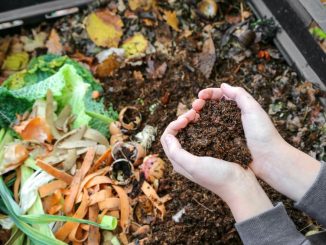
pixel 117 138
pixel 132 125
pixel 141 153
pixel 115 128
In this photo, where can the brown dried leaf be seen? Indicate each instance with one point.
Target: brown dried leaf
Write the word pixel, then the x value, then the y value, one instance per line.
pixel 172 19
pixel 181 109
pixel 108 66
pixel 233 19
pixel 37 41
pixel 144 5
pixel 54 44
pixel 138 76
pixel 4 46
pixel 206 59
pixel 156 72
pixel 82 58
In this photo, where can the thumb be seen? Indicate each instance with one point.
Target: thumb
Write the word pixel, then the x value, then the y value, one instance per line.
pixel 243 99
pixel 178 155
pixel 171 143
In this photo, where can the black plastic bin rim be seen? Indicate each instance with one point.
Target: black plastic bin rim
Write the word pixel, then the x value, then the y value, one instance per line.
pixel 39 9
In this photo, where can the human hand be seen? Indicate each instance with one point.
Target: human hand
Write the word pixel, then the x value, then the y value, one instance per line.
pixel 237 186
pixel 285 168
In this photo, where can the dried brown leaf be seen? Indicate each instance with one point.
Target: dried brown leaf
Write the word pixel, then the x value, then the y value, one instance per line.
pixel 54 44
pixel 155 72
pixel 206 59
pixel 144 5
pixel 172 19
pixel 108 67
pixel 181 109
pixel 233 19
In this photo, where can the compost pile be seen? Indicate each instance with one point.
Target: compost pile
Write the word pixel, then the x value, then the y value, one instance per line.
pixel 218 133
pixel 85 98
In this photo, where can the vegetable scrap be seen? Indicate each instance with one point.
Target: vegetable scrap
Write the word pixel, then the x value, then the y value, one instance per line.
pixel 73 180
pixel 84 97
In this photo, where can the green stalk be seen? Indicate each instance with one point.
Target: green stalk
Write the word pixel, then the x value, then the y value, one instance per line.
pixel 13 211
pixel 2 133
pixel 109 224
pixel 100 117
pixel 37 207
pixel 23 222
pixel 17 237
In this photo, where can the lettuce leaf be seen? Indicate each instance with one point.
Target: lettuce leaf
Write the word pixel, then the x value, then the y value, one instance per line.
pixel 70 83
pixel 67 88
pixel 10 106
pixel 42 67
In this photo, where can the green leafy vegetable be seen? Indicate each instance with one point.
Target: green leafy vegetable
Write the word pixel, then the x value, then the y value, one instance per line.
pixel 10 106
pixel 100 117
pixel 31 181
pixel 42 67
pixel 69 82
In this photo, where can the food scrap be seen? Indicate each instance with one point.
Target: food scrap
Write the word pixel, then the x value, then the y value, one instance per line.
pixel 70 171
pixel 85 97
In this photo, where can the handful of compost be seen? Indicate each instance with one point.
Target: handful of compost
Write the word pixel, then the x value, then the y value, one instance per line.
pixel 217 133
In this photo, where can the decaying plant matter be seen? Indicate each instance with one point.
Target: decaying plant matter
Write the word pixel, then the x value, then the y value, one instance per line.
pixel 154 56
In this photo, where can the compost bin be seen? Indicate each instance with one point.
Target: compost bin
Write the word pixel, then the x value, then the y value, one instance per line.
pixel 85 97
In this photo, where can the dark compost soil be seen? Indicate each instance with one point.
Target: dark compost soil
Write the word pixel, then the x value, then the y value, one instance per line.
pixel 218 133
pixel 208 220
pixel 293 105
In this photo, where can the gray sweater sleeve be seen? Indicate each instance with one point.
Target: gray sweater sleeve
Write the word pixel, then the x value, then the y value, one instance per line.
pixel 313 202
pixel 271 227
pixel 275 227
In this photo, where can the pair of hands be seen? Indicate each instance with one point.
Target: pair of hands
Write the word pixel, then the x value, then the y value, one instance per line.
pixel 285 168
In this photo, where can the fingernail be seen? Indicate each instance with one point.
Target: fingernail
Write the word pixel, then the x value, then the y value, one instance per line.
pixel 168 139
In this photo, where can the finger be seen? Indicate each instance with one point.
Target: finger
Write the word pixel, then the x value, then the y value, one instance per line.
pixel 198 104
pixel 197 117
pixel 210 94
pixel 189 115
pixel 178 155
pixel 172 129
pixel 175 126
pixel 244 100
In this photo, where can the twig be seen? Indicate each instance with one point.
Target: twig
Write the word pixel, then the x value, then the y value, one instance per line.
pixel 210 210
pixel 241 11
